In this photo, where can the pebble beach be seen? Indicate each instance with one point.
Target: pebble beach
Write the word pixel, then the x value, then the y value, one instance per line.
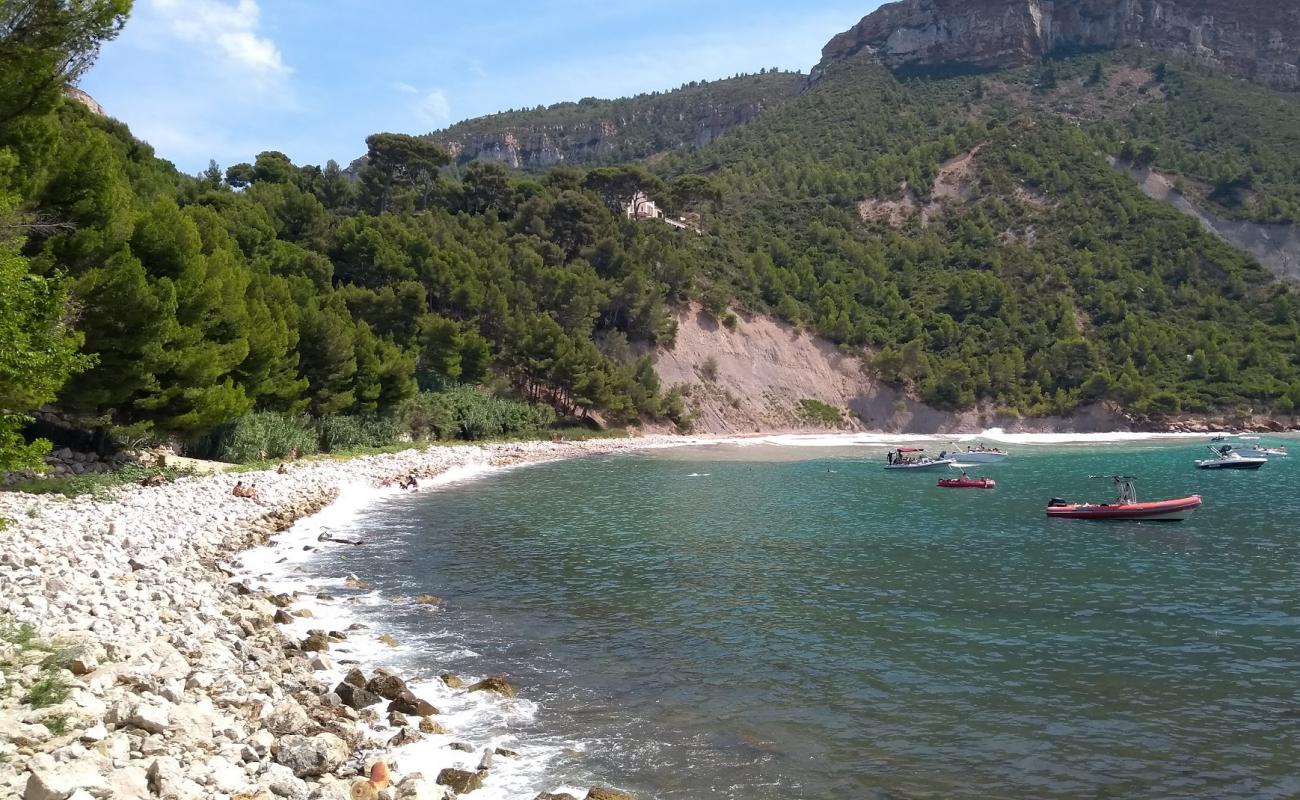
pixel 157 664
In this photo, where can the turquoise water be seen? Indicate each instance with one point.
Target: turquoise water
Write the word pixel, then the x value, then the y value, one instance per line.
pixel 770 622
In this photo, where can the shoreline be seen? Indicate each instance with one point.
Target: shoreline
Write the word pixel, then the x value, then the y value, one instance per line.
pixel 182 651
pixel 180 681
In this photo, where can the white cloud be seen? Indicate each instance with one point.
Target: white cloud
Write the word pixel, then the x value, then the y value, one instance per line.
pixel 432 106
pixel 231 30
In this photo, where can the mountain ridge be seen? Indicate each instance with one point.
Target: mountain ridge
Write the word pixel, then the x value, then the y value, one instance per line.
pixel 595 131
pixel 986 35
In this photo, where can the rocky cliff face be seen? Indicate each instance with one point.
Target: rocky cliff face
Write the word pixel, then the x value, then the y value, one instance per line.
pixel 541 146
pixel 605 131
pixel 1256 39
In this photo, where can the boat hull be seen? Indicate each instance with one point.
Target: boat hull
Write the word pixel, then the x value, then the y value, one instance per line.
pixel 1158 511
pixel 974 457
pixel 958 483
pixel 1232 463
pixel 940 464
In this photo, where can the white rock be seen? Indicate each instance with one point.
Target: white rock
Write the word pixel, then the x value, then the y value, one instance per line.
pixel 60 781
pixel 95 733
pixel 283 783
pixel 225 776
pixel 311 756
pixel 152 717
pixel 287 718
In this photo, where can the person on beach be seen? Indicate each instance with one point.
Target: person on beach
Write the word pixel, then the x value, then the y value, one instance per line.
pixel 293 454
pixel 282 469
pixel 238 491
pixel 261 455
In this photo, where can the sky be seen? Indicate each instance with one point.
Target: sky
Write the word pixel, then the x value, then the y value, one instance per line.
pixel 227 79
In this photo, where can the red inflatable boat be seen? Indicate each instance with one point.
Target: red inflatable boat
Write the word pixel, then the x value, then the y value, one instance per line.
pixel 968 483
pixel 1127 507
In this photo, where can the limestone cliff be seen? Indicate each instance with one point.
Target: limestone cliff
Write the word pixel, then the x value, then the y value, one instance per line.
pixel 606 131
pixel 1256 39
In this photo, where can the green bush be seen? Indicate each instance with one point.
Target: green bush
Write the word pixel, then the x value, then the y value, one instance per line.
pixel 428 416
pixel 348 433
pixel 819 413
pixel 239 441
pixel 482 416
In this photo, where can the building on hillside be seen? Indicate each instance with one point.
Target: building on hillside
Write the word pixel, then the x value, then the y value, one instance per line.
pixel 642 207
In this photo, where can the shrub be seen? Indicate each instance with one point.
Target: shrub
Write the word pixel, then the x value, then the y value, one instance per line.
pixel 817 412
pixel 709 369
pixel 428 416
pixel 348 432
pixel 239 441
pixel 482 416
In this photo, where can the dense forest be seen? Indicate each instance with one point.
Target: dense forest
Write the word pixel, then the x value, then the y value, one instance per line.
pixel 1013 267
pixel 1038 277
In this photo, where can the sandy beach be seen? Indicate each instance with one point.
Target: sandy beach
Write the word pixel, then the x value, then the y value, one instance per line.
pixel 187 677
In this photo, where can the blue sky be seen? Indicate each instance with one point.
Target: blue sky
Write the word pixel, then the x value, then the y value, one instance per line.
pixel 226 79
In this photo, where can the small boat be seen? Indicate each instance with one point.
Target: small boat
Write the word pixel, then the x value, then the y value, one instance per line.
pixel 1227 458
pixel 1258 451
pixel 979 454
pixel 914 458
pixel 967 482
pixel 1126 506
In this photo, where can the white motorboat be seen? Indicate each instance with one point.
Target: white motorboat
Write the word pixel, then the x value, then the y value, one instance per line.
pixel 979 455
pixel 923 463
pixel 914 458
pixel 1259 451
pixel 1228 458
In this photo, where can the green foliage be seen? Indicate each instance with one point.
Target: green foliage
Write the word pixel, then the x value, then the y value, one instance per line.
pixel 38 352
pixel 1249 171
pixel 49 689
pixel 47 44
pixel 429 416
pixel 1053 282
pixel 98 484
pixel 350 433
pixel 818 413
pixel 481 416
pixel 1046 281
pixel 277 434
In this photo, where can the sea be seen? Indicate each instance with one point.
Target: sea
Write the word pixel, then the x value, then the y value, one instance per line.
pixel 782 618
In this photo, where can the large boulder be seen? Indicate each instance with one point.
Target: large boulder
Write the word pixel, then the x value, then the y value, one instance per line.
pixel 602 793
pixel 61 780
pixel 288 717
pixel 461 781
pixel 312 756
pixel 316 642
pixel 152 717
pixel 452 680
pixel 408 703
pixel 356 696
pixel 495 684
pixel 387 685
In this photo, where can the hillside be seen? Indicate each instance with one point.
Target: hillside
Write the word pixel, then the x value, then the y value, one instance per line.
pixel 970 234
pixel 960 242
pixel 1246 38
pixel 594 132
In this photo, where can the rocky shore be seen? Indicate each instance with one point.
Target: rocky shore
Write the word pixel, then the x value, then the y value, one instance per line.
pixel 137 663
